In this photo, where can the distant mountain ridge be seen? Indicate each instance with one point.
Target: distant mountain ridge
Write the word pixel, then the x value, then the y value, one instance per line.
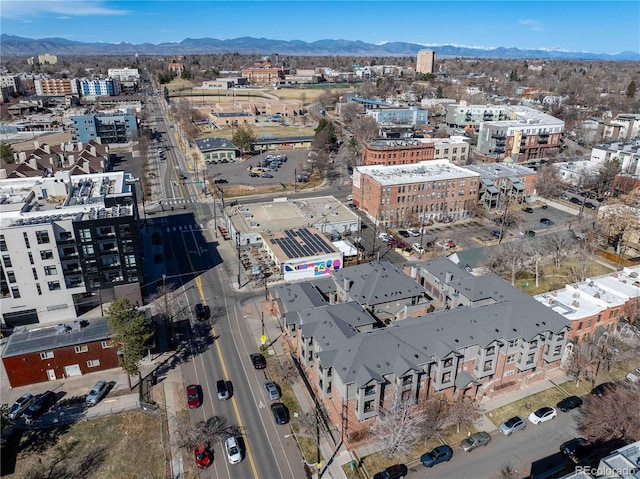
pixel 15 45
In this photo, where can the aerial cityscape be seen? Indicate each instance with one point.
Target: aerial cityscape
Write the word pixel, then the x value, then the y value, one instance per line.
pixel 343 240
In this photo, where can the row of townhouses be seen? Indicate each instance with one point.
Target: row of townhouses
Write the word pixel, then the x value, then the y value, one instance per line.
pixel 434 330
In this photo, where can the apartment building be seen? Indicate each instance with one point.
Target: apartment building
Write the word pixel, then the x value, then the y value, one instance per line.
pixel 460 115
pixel 595 304
pixel 456 149
pixel 99 87
pixel 485 338
pixel 426 61
pixel 64 241
pixel 626 153
pixel 404 151
pixel 501 182
pixel 404 195
pixel 528 135
pixel 56 86
pixel 123 73
pixel 105 127
pixel 399 116
pixel 624 127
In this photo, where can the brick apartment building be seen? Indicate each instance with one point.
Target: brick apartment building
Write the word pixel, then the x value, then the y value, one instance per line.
pixel 57 86
pixel 405 195
pixel 397 152
pixel 439 331
pixel 264 75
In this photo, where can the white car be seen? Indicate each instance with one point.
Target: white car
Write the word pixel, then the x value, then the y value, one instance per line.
pixel 417 247
pixel 543 414
pixel 18 407
pixel 233 450
pixel 633 376
pixel 349 197
pixel 384 236
pixel 413 232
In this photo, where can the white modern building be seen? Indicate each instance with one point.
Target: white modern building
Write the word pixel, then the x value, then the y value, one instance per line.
pixel 123 73
pixel 626 154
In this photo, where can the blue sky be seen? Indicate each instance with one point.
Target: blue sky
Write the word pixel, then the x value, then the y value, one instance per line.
pixel 594 26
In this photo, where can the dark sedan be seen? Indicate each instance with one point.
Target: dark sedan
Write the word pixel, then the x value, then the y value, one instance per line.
pixel 436 456
pixel 567 404
pixel 602 389
pixel 397 471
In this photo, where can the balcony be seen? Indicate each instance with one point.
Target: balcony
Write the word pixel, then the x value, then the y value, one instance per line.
pixel 65 241
pixel 499 136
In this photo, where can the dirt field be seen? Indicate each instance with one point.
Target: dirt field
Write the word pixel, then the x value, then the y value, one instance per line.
pixel 123 446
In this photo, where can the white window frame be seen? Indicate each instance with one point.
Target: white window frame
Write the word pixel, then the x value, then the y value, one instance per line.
pixel 83 348
pixel 46 355
pixel 93 363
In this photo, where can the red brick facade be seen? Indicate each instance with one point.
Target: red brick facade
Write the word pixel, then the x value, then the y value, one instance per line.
pixel 397 153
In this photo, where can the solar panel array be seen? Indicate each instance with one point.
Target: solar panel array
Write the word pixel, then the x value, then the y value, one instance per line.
pixel 301 243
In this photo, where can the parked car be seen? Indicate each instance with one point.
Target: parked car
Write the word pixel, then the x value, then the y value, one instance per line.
pixel 258 360
pixel 202 312
pixel 193 396
pixel 413 232
pixel 272 390
pixel 576 201
pixel 496 234
pixel 349 197
pixel 417 247
pixel 528 210
pixel 477 439
pixel 602 389
pixel 567 404
pixel 573 447
pixel 231 446
pixel 404 233
pixel 98 391
pixel 397 471
pixel 220 181
pixel 451 243
pixel 512 425
pixel 633 376
pixel 590 205
pixel 546 221
pixel 543 414
pixel 222 390
pixel 203 458
pixel 436 456
pixel 40 405
pixel 280 413
pixel 20 405
pixel 266 175
pixel 384 236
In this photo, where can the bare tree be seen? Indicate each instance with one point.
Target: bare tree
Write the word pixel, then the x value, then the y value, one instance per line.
pixel 350 112
pixel 507 260
pixel 164 302
pixel 557 245
pixel 548 182
pixel 507 471
pixel 463 410
pixel 583 362
pixel 399 424
pixel 287 370
pixel 615 415
pixel 207 432
pixel 434 414
pixel 619 217
pixel 364 129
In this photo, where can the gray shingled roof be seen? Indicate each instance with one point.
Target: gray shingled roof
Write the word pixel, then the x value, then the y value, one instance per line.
pixel 439 267
pixel 420 340
pixel 298 296
pixel 48 338
pixel 378 282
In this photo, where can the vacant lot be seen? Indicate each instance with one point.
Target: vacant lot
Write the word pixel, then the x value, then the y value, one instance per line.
pixel 121 446
pixel 552 278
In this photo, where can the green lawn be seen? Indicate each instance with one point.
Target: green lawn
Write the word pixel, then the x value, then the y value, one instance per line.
pixel 552 278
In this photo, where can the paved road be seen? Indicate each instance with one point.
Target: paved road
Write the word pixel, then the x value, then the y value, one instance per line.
pixel 520 450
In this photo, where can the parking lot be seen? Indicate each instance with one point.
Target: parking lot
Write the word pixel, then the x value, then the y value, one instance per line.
pixel 237 173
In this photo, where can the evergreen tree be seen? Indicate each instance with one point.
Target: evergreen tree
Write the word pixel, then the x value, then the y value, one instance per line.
pixel 6 152
pixel 243 138
pixel 631 89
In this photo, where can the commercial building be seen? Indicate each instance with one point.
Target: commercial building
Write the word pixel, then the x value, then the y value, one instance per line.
pixel 404 195
pixel 57 352
pixel 105 127
pixel 265 75
pixel 216 149
pixel 501 182
pixel 99 87
pixel 247 223
pixel 365 333
pixel 302 253
pixel 56 86
pixel 529 135
pixel 406 151
pixel 67 242
pixel 426 61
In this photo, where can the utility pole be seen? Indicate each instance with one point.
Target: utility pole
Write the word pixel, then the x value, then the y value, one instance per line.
pixel 238 251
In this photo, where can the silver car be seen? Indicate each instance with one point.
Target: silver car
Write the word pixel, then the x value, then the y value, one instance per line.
pixel 512 425
pixel 477 439
pixel 21 404
pixel 272 390
pixel 97 393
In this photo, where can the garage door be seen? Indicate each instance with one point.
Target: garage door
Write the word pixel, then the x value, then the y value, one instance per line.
pixel 73 370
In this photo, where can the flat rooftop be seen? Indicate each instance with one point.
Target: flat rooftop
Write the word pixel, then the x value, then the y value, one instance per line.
pixel 500 170
pixel 433 170
pixel 570 304
pixel 298 243
pixel 282 214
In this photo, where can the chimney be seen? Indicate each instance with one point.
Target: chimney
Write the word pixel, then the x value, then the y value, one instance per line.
pixel 448 277
pixel 46 148
pixel 36 144
pixel 332 298
pixel 92 150
pixel 346 284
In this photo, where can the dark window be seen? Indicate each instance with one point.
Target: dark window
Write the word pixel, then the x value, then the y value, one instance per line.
pixel 53 285
pixel 3 243
pixel 11 277
pixel 26 239
pixel 46 254
pixel 15 292
pixel 6 260
pixel 42 237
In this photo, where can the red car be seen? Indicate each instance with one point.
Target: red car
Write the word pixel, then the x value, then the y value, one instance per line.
pixel 193 396
pixel 451 243
pixel 203 458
